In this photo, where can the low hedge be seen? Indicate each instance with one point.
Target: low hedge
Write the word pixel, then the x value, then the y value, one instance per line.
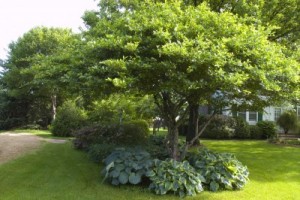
pixel 129 133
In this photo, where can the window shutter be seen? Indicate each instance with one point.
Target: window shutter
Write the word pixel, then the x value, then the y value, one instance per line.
pixel 260 116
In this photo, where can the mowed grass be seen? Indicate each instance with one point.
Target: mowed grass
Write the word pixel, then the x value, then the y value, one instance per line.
pixel 57 171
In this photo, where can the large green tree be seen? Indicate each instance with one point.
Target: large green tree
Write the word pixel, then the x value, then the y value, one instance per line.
pixel 183 54
pixel 35 72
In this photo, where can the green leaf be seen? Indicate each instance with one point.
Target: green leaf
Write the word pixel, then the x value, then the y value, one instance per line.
pixel 214 186
pixel 123 178
pixel 134 178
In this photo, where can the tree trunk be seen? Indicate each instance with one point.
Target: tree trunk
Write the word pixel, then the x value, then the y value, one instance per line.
pixel 172 143
pixel 54 106
pixel 193 124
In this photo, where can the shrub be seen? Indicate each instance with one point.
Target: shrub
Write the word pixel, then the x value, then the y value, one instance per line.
pixel 97 152
pixel 156 147
pixel 69 118
pixel 127 166
pixel 268 129
pixel 172 176
pixel 130 133
pixel 221 127
pixel 95 134
pixel 134 133
pixel 242 130
pixel 288 121
pixel 255 132
pixel 220 171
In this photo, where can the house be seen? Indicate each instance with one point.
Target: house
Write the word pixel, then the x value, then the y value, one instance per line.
pixel 270 113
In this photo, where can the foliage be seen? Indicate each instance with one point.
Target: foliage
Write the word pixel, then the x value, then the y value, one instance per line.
pixel 157 147
pixel 35 73
pixel 97 152
pixel 255 132
pixel 179 53
pixel 120 107
pixel 268 129
pixel 69 118
pixel 288 121
pixel 128 133
pixel 134 132
pixel 220 170
pixel 173 176
pixel 127 166
pixel 95 134
pixel 242 129
pixel 221 127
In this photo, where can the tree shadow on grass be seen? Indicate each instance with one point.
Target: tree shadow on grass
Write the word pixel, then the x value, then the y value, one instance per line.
pixel 266 162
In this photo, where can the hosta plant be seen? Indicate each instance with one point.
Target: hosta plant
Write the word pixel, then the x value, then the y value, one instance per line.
pixel 173 176
pixel 220 170
pixel 126 166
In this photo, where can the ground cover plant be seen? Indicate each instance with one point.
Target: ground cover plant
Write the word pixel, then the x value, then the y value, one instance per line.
pixel 221 171
pixel 274 174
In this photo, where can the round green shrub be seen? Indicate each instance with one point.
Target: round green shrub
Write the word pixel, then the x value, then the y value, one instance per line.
pixel 288 121
pixel 268 129
pixel 220 170
pixel 133 133
pixel 68 119
pixel 173 176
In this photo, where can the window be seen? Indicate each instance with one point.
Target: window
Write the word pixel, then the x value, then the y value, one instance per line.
pixel 277 113
pixel 253 116
pixel 242 115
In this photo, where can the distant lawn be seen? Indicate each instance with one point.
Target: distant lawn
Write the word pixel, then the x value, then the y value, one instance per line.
pixel 57 171
pixel 40 133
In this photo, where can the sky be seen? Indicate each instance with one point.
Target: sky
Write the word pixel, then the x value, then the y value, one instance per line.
pixel 19 16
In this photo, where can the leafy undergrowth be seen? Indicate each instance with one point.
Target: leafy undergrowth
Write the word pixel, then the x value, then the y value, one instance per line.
pixel 57 171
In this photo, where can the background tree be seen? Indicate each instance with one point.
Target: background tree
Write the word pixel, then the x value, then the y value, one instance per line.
pixel 34 71
pixel 183 54
pixel 288 121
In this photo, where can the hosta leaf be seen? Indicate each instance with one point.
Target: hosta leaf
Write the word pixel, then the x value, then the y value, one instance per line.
pixel 115 173
pixel 134 178
pixel 150 173
pixel 120 167
pixel 123 178
pixel 214 186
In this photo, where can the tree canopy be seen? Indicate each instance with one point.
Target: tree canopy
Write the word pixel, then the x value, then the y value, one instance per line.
pixel 181 53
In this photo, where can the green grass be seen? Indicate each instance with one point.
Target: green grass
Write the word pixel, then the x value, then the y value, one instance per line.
pixel 40 133
pixel 57 171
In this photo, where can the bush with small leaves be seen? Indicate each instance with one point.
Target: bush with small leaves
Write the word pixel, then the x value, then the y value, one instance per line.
pixel 133 132
pixel 242 130
pixel 268 129
pixel 220 170
pixel 173 176
pixel 288 121
pixel 95 134
pixel 127 166
pixel 255 132
pixel 69 118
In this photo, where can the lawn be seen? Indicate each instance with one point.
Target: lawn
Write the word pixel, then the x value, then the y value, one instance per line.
pixel 57 171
